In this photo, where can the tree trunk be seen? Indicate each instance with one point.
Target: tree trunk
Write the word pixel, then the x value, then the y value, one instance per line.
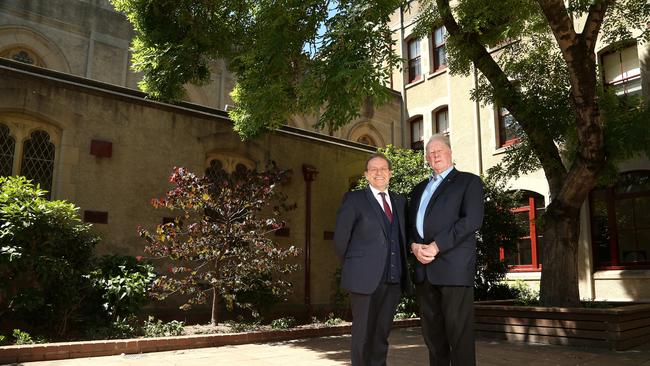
pixel 559 283
pixel 215 306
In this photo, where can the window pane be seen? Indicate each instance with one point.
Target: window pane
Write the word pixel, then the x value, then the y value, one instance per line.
pixel 215 170
pixel 633 182
pixel 439 36
pixel 642 212
pixel 417 133
pixel 7 148
pixel 38 160
pixel 414 48
pixel 442 122
pixel 624 214
pixel 440 57
pixel 414 69
pixel 600 227
pixel 521 255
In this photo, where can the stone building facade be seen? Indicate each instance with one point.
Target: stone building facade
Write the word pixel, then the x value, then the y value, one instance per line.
pixel 614 267
pixel 72 119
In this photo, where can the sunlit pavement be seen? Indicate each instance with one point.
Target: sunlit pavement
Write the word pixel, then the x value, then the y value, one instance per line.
pixel 407 348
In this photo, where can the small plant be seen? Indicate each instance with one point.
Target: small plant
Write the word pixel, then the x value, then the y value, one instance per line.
pixel 407 308
pixel 240 326
pixel 526 296
pixel 3 340
pixel 22 337
pixel 156 328
pixel 119 329
pixel 593 304
pixel 284 323
pixel 332 320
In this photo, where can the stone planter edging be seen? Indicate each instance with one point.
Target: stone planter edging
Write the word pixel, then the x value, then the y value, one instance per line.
pixel 65 350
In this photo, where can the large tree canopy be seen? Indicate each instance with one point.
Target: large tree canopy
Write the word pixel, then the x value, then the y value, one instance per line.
pixel 535 58
pixel 310 56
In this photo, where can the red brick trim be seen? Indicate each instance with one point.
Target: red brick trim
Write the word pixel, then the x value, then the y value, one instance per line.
pixel 65 350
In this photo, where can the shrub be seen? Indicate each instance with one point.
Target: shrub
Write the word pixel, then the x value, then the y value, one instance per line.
pixel 219 244
pixel 118 329
pixel 332 320
pixel 121 285
pixel 156 328
pixel 525 295
pixel 22 337
pixel 45 251
pixel 284 323
pixel 407 308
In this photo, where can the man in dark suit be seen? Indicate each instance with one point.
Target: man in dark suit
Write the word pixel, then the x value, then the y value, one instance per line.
pixel 446 212
pixel 370 240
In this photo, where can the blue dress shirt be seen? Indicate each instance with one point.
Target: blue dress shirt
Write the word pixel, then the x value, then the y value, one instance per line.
pixel 434 182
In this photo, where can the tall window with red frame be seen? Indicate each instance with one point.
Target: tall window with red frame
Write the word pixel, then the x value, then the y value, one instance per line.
pixel 442 121
pixel 417 133
pixel 414 58
pixel 527 256
pixel 620 222
pixel 439 54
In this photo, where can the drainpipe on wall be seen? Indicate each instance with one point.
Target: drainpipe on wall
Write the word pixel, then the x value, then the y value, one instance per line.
pixel 477 119
pixel 309 173
pixel 406 142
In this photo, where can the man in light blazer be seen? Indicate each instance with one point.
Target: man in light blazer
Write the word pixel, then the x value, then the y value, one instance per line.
pixel 446 213
pixel 370 241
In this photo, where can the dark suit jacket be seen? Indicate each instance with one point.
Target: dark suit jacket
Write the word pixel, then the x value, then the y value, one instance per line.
pixel 361 240
pixel 452 218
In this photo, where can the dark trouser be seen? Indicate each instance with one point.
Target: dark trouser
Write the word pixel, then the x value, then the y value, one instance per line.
pixel 447 316
pixel 372 319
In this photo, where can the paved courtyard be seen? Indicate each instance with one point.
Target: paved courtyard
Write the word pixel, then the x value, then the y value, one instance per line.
pixel 406 349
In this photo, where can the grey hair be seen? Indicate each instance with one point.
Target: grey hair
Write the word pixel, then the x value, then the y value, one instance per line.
pixel 439 137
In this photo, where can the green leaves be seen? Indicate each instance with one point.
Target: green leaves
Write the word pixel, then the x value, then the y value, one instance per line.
pixel 45 253
pixel 315 57
pixel 408 169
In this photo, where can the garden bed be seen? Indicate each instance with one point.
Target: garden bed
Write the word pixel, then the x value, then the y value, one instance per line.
pixel 617 328
pixel 65 350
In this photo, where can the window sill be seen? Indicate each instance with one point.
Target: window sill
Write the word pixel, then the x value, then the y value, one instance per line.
pixel 529 274
pixel 438 72
pixel 618 274
pixel 414 83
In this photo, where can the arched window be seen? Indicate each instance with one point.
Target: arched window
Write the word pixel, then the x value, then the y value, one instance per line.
pixel 620 222
pixel 7 148
pixel 215 168
pixel 414 60
pixel 417 133
pixel 23 55
pixel 38 160
pixel 441 121
pixel 367 140
pixel 528 254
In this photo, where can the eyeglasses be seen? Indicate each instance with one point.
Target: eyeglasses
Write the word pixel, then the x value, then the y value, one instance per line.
pixel 378 170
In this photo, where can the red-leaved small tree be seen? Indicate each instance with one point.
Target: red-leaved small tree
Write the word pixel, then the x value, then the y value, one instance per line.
pixel 220 240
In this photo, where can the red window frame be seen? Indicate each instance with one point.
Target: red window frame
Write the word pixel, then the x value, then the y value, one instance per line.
pixel 417 122
pixel 414 60
pixel 437 48
pixel 531 208
pixel 611 198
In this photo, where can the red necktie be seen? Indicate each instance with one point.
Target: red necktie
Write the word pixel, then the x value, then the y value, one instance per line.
pixel 387 210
